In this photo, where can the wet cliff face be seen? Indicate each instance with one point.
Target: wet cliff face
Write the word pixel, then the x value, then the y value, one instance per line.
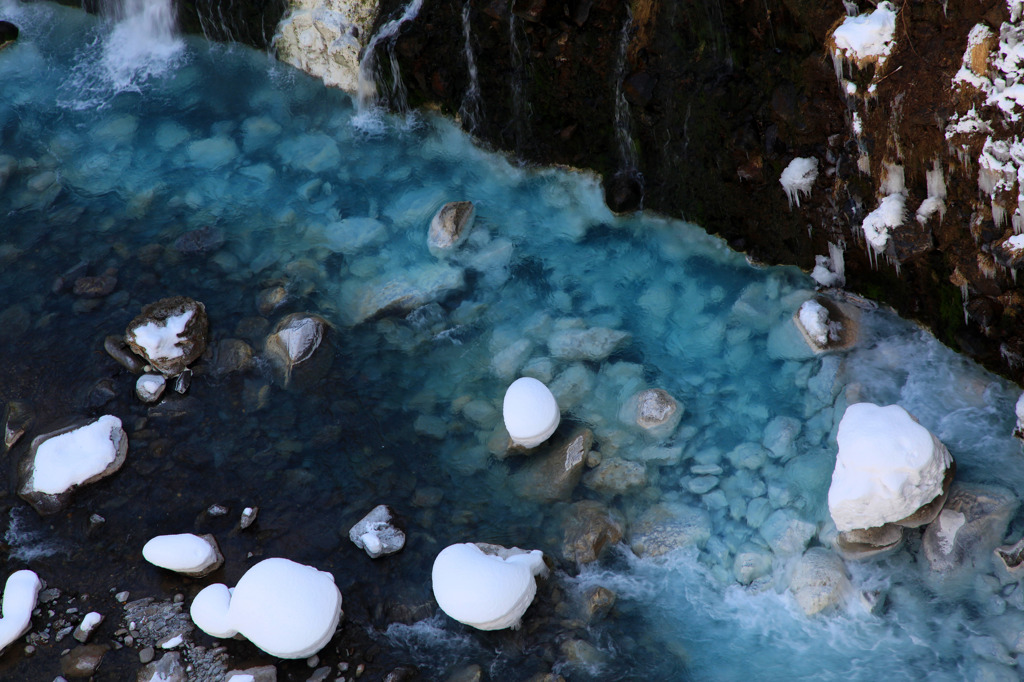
pixel 721 96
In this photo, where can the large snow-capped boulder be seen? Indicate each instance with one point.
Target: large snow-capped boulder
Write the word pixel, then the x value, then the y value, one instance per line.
pixel 377 533
pixel 299 348
pixel 488 587
pixel 59 461
pixel 888 468
pixel 19 600
pixel 286 609
pixel 170 333
pixel 450 226
pixel 530 411
pixel 192 555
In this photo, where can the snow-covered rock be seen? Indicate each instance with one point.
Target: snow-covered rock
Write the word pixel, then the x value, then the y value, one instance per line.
pixel 865 39
pixel 377 534
pixel 19 600
pixel 150 387
pixel 298 346
pixel 798 178
pixel 90 622
pixel 530 412
pixel 286 609
pixel 59 461
pixel 827 325
pixel 450 226
pixel 192 555
pixel 170 334
pixel 485 586
pixel 888 467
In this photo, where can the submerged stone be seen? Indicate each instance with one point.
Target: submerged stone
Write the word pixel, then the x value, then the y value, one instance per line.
pixel 299 346
pixel 654 411
pixel 594 344
pixel 819 581
pixel 588 530
pixel 616 476
pixel 450 226
pixel 553 475
pixel 18 418
pixel 669 526
pixel 398 293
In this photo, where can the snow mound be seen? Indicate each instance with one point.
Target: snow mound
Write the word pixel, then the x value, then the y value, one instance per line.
pixel 530 411
pixel 286 609
pixel 887 468
pixel 486 586
pixel 184 553
pixel 20 594
pixel 867 36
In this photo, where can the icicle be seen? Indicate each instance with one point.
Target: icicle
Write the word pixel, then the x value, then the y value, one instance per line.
pixel 471 111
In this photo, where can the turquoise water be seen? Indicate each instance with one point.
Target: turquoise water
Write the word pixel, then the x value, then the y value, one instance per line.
pixel 129 164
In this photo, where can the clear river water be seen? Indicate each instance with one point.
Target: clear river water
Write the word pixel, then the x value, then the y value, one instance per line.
pixel 184 167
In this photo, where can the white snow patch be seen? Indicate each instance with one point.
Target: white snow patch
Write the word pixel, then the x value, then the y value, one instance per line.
pixel 19 600
pixel 830 270
pixel 948 523
pixel 76 456
pixel 888 215
pixel 90 621
pixel 160 340
pixel 1015 243
pixel 814 319
pixel 798 177
pixel 868 35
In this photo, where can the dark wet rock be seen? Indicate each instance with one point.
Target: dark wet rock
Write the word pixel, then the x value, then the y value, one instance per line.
pixel 168 669
pixel 232 355
pixel 581 653
pixel 49 500
pixel 170 351
pixel 598 602
pixel 589 529
pixel 377 533
pixel 118 349
pixel 271 298
pixel 202 240
pixel 666 527
pixel 970 525
pixel 101 393
pixel 83 661
pixel 8 33
pixel 819 581
pixel 174 407
pixel 300 348
pixel 450 226
pixel 99 286
pixel 624 191
pixel 248 517
pixel 18 418
pixel 554 475
pixel 15 321
pixel 183 381
pixel 403 673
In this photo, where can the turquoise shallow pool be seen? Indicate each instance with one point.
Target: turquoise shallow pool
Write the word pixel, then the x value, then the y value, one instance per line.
pixel 212 171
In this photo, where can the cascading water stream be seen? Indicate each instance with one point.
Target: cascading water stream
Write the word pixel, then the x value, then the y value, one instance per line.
pixel 471 110
pixel 143 43
pixel 627 152
pixel 521 110
pixel 369 75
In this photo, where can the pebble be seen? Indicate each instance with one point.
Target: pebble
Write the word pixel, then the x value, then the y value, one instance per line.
pixel 122 597
pixel 147 654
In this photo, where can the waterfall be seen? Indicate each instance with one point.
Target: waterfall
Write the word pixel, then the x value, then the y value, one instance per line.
pixel 471 110
pixel 369 73
pixel 521 110
pixel 143 43
pixel 627 153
